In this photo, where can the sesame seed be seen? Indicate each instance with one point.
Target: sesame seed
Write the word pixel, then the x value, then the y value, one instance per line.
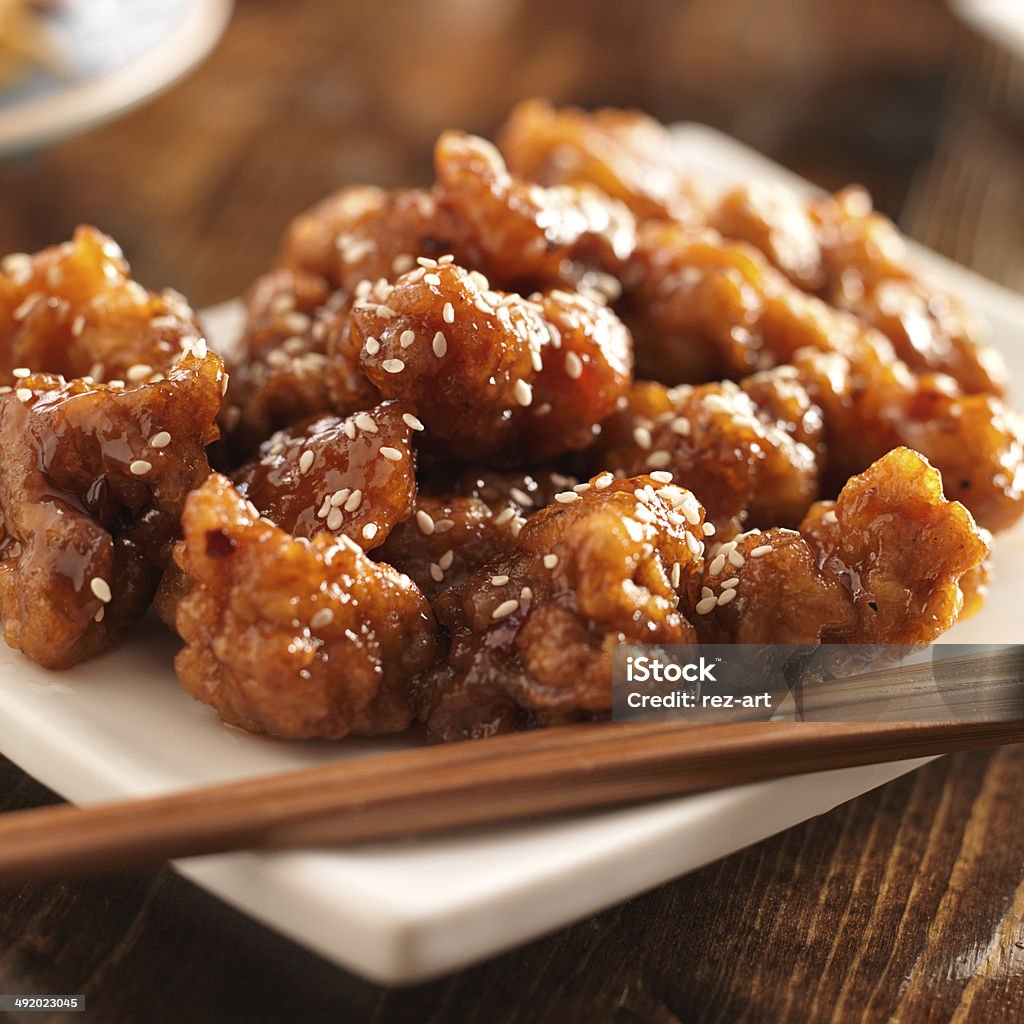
pixel 140 467
pixel 100 588
pixel 372 346
pixel 581 488
pixel 693 544
pixel 550 561
pixel 160 440
pixel 732 581
pixel 523 393
pixel 573 366
pixel 676 574
pixel 425 522
pixel 662 477
pixel 521 497
pixel 199 349
pixel 426 261
pixel 504 516
pixel 353 500
pixel 98 617
pixel 412 422
pixel 709 530
pixel 325 508
pixel 759 551
pixel 726 596
pixel 525 594
pixel 349 430
pixel 21 372
pixel 432 279
pixel 499 581
pixel 335 519
pixel 567 497
pixel 339 497
pixel 23 394
pixel 505 609
pixel 393 365
pixel 830 517
pixel 305 461
pixel 717 565
pixel 324 617
pixel 716 403
pixel 385 312
pixel 448 313
pixel 443 525
pixel 659 459
pixel 392 454
pixel 681 426
pixel 445 561
pixel 440 345
pixel 436 572
pixel 642 436
pixel 735 558
pixel 370 531
pixel 364 421
pixel 139 371
pixel 406 338
pixel 603 481
pixel 706 604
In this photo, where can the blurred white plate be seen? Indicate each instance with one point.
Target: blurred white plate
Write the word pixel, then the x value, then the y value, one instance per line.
pixel 400 912
pixel 113 55
pixel 1000 21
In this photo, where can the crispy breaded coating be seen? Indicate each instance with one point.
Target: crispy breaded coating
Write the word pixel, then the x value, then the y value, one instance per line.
pixel 753 451
pixel 353 476
pixel 293 637
pixel 626 154
pixel 363 233
pixel 492 373
pixel 839 247
pixel 717 304
pixel 532 632
pixel 74 310
pixel 874 404
pixel 880 565
pixel 525 231
pixel 279 373
pixel 457 529
pixel 92 482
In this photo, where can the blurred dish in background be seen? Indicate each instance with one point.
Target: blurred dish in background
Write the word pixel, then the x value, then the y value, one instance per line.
pixel 70 64
pixel 999 21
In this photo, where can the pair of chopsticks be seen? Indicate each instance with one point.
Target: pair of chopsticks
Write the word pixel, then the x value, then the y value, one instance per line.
pixel 438 789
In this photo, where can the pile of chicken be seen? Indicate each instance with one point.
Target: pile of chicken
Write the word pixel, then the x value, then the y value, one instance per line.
pixel 478 434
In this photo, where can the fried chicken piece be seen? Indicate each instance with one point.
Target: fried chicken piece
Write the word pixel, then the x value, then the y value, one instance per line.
pixel 711 305
pixel 874 404
pixel 753 451
pixel 457 529
pixel 353 477
pixel 73 310
pixel 625 154
pixel 883 564
pixel 279 374
pixel 532 632
pixel 838 247
pixel 527 232
pixel 92 482
pixel 293 637
pixel 493 373
pixel 363 233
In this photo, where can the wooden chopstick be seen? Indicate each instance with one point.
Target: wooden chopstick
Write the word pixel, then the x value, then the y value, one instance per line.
pixel 435 789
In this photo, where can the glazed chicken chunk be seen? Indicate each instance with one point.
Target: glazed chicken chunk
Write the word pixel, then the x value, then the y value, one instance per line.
pixel 532 632
pixel 492 373
pixel 93 475
pixel 883 564
pixel 293 637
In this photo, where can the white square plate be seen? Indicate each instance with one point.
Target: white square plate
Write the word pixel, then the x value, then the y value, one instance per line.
pixel 400 912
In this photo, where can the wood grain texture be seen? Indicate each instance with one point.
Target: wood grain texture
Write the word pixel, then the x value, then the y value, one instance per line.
pixel 903 905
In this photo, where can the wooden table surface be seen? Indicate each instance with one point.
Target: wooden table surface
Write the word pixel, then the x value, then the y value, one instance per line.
pixel 906 904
